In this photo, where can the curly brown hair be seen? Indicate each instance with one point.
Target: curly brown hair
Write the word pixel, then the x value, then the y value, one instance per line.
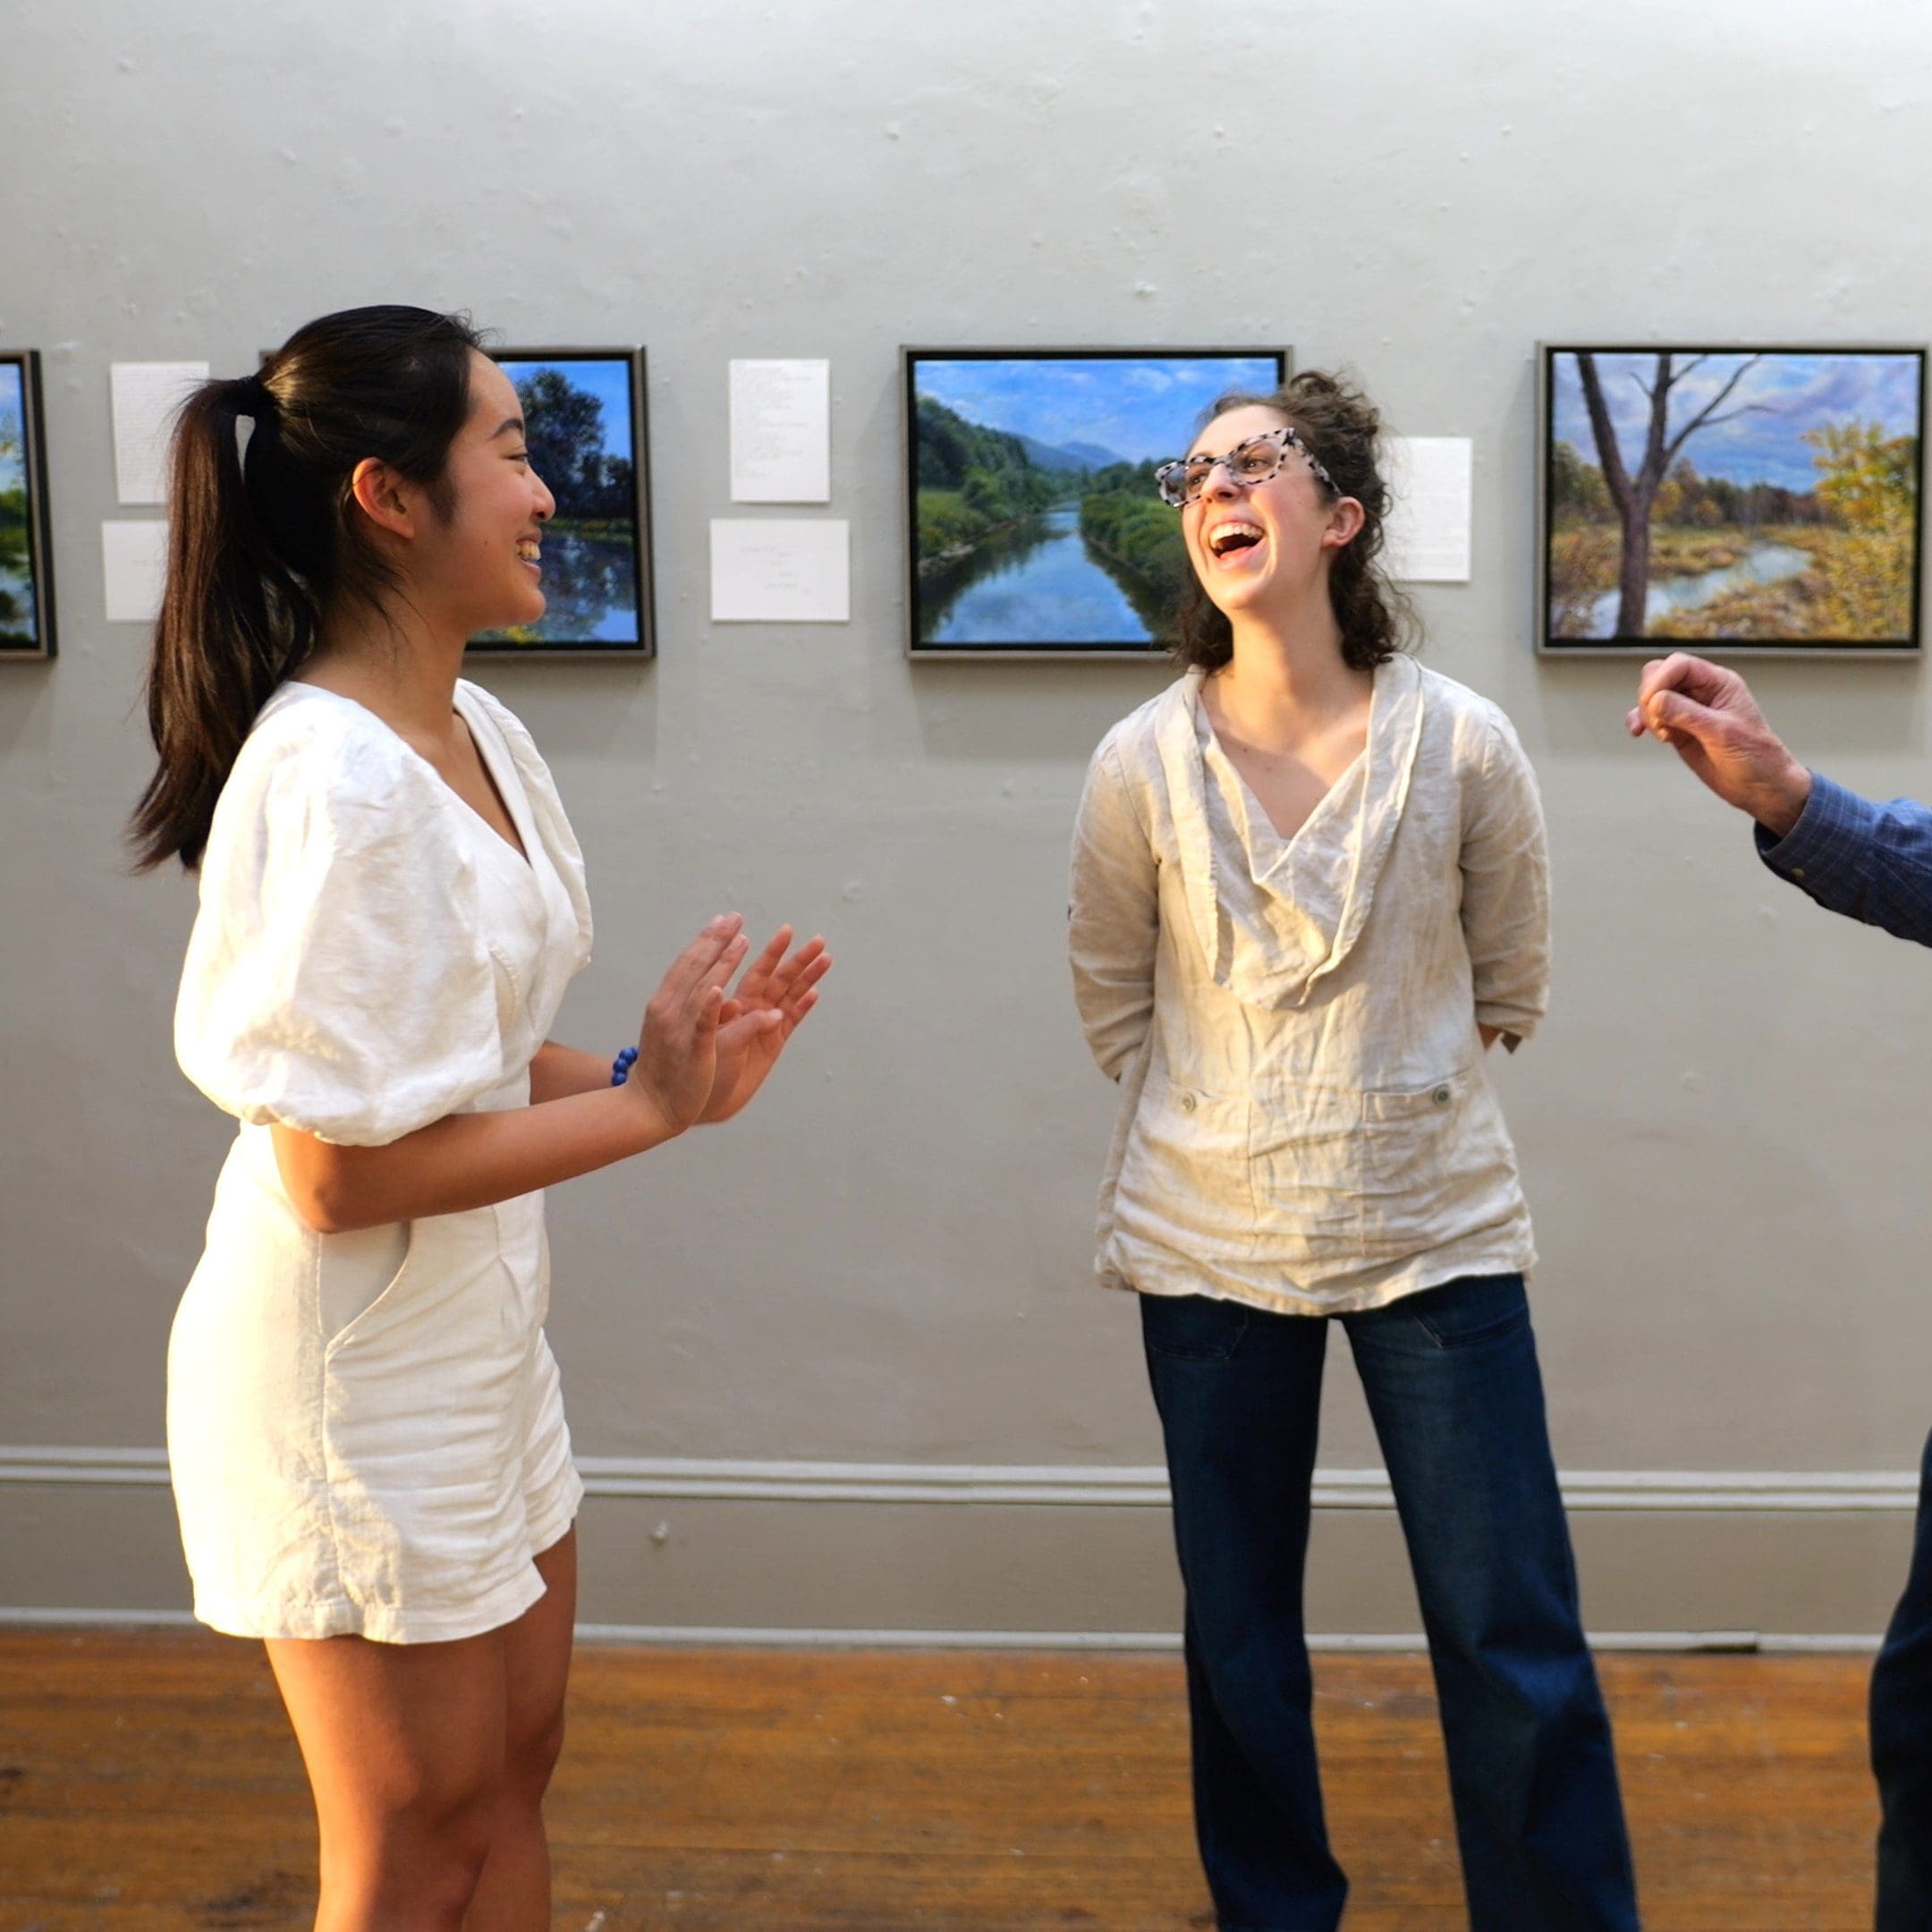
pixel 1339 427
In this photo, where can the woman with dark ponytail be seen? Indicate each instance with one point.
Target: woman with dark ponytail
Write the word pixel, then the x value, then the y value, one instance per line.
pixel 365 1432
pixel 1309 895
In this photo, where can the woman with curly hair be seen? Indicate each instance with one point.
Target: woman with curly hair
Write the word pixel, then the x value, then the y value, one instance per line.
pixel 1308 895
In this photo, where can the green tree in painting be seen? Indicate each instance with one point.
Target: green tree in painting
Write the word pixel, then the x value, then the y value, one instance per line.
pixel 564 434
pixel 1867 480
pixel 971 480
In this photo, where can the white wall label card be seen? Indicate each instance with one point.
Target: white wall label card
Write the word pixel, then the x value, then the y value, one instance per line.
pixel 146 396
pixel 133 565
pixel 781 571
pixel 1427 538
pixel 781 432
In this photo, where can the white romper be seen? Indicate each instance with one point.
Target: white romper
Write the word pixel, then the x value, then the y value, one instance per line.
pixel 365 1430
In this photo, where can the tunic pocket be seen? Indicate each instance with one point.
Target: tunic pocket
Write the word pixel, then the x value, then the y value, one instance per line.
pixel 1414 1164
pixel 1184 1182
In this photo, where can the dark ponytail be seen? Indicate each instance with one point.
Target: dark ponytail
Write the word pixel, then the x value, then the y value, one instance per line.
pixel 1339 427
pixel 264 541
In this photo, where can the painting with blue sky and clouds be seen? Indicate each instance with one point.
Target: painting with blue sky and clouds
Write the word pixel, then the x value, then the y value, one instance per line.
pixel 1739 498
pixel 26 606
pixel 582 414
pixel 1035 524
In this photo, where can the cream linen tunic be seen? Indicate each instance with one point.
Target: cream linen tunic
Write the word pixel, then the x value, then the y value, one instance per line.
pixel 365 1429
pixel 1307 1122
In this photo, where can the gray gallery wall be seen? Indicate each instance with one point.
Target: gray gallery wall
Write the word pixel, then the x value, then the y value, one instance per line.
pixel 1726 1125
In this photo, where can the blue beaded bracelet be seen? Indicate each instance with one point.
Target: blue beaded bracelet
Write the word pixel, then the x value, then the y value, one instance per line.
pixel 620 1068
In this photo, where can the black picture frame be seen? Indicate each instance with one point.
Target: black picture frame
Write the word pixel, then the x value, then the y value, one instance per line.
pixel 995 569
pixel 28 633
pixel 599 582
pixel 1748 555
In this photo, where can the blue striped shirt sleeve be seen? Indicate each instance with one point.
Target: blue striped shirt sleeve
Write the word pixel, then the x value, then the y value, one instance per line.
pixel 1872 862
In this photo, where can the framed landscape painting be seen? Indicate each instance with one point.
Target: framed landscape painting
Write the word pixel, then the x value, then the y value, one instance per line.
pixel 584 426
pixel 1746 500
pixel 26 573
pixel 1033 525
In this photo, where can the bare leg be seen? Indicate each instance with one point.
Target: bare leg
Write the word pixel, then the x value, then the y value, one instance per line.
pixel 514 1893
pixel 404 1745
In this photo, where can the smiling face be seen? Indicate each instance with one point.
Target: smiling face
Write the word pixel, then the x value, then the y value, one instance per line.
pixel 1257 545
pixel 484 563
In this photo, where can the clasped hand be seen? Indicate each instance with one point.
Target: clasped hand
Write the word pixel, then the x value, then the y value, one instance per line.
pixel 704 1053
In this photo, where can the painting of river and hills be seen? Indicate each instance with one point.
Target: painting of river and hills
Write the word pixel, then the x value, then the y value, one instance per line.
pixel 583 427
pixel 1037 528
pixel 1742 500
pixel 26 613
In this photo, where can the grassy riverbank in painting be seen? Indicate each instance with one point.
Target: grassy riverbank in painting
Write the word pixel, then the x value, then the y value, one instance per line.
pixel 20 620
pixel 1032 526
pixel 1794 518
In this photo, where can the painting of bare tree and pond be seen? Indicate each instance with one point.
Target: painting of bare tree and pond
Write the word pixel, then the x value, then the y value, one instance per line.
pixel 1740 499
pixel 1036 528
pixel 26 584
pixel 583 422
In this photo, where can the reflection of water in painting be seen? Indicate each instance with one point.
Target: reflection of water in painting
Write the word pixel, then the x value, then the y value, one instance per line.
pixel 1037 583
pixel 1763 563
pixel 590 594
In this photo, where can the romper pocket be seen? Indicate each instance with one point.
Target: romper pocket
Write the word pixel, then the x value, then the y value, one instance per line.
pixel 372 1312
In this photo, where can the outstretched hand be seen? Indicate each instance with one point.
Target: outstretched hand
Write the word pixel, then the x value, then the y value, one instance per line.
pixel 761 1016
pixel 1707 714
pixel 678 1050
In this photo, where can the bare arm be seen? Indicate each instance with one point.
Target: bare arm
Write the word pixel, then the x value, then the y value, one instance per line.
pixel 465 1160
pixel 470 1160
pixel 558 1071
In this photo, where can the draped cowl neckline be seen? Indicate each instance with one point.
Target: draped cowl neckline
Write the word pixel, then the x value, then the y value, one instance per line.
pixel 1273 915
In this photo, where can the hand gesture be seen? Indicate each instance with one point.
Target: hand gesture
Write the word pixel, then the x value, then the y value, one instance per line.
pixel 762 1014
pixel 1707 715
pixel 677 1058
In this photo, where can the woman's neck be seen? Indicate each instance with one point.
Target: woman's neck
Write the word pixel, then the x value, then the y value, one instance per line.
pixel 1287 679
pixel 396 663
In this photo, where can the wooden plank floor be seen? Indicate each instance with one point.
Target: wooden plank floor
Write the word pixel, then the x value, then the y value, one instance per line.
pixel 148 1783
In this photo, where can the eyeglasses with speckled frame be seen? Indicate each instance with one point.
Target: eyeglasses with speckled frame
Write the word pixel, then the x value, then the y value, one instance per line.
pixel 1250 462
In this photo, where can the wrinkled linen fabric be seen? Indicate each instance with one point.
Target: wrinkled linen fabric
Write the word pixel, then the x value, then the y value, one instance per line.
pixel 366 1432
pixel 1306 1122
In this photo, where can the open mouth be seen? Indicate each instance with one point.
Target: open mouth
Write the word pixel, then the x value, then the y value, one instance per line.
pixel 1229 538
pixel 529 552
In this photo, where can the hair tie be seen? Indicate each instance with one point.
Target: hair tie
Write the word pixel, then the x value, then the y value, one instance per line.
pixel 253 397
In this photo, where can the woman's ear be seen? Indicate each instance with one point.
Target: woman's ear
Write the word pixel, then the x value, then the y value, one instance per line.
pixel 384 496
pixel 1345 520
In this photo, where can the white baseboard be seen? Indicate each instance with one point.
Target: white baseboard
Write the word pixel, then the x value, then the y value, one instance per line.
pixel 734 1636
pixel 1064 1485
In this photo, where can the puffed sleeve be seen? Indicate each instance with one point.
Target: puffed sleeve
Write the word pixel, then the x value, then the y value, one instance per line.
pixel 338 979
pixel 1114 923
pixel 1505 887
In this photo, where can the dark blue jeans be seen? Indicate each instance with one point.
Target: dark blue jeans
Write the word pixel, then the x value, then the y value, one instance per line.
pixel 1902 1739
pixel 1452 1381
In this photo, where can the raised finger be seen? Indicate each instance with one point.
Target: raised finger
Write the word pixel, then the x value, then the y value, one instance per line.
pixel 801 962
pixel 689 968
pixel 721 969
pixel 756 975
